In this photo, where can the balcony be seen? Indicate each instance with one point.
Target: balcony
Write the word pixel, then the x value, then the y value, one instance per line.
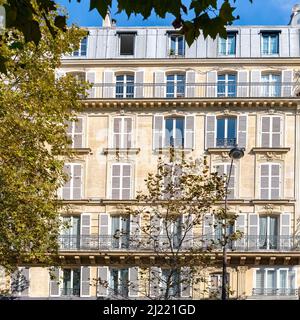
pixel 193 90
pixel 70 292
pixel 274 292
pixel 161 243
pixel 225 142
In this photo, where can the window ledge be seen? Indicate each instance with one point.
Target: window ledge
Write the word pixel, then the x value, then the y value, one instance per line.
pixel 273 150
pixel 121 150
pixel 167 150
pixel 219 150
pixel 273 201
pixel 81 150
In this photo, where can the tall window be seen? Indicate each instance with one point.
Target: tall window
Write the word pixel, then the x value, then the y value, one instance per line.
pixel 273 281
pixel 215 288
pixel 73 187
pixel 127 44
pixel 176 45
pixel 122 132
pixel 171 278
pixel 270 181
pixel 71 282
pixel 70 233
pixel 268 232
pixel 119 282
pixel 228 46
pixel 223 169
pixel 125 86
pixel 175 85
pixel 171 232
pixel 226 132
pixel 120 231
pixel 121 181
pixel 271 131
pixel 227 85
pixel 271 85
pixel 75 133
pixel 174 132
pixel 82 48
pixel 270 43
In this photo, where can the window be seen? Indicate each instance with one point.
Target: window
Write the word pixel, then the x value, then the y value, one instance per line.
pixel 268 232
pixel 125 86
pixel 176 45
pixel 223 169
pixel 171 232
pixel 226 132
pixel 271 85
pixel 270 43
pixel 174 132
pixel 170 278
pixel 20 282
pixel 127 44
pixel 273 281
pixel 121 181
pixel 120 231
pixel 227 46
pixel 70 233
pixel 71 282
pixel 73 187
pixel 122 132
pixel 175 85
pixel 271 132
pixel 227 85
pixel 215 285
pixel 119 282
pixel 82 51
pixel 270 181
pixel 75 133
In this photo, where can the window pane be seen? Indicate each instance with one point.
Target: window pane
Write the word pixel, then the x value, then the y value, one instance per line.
pixel 221 128
pixel 222 46
pixel 180 46
pixel 83 47
pixel 231 128
pixel 274 44
pixel 173 45
pixel 265 48
pixel 127 44
pixel 169 134
pixel 231 44
pixel 271 279
pixel 179 132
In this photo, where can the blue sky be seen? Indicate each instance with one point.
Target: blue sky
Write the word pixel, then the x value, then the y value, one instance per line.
pixel 261 12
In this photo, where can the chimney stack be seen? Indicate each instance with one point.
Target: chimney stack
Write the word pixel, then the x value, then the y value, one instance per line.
pixel 295 16
pixel 107 22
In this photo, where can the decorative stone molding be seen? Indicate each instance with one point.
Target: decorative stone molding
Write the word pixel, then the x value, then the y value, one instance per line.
pixel 270 154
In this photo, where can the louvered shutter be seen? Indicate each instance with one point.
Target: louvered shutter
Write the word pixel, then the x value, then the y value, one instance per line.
pixel 275 181
pixel 104 232
pixel 135 230
pixel 285 231
pixel 159 85
pixel 243 85
pixel 287 83
pixel 185 282
pixel 158 124
pixel 242 131
pixel 253 232
pixel 155 230
pixel 77 181
pixel 85 231
pixel 190 83
pixel 91 78
pixel 240 225
pixel 117 134
pixel 154 282
pixel 265 131
pixel 139 87
pixel 188 231
pixel 108 84
pixel 210 131
pixel 126 181
pixel 276 132
pixel 231 184
pixel 55 283
pixel 255 83
pixel 102 287
pixel 66 190
pixel 133 282
pixel 78 133
pixel 264 181
pixel 85 282
pixel 127 133
pixel 189 132
pixel 116 181
pixel 211 90
pixel 208 230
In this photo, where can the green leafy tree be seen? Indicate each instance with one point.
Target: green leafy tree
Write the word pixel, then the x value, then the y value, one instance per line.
pixel 34 107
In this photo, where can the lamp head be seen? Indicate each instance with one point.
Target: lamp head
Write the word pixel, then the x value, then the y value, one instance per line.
pixel 236 153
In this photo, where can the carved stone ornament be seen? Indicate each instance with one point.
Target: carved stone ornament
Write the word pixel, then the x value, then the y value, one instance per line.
pixel 269 208
pixel 270 156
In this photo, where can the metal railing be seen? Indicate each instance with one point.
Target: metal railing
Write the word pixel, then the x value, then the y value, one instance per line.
pixel 73 292
pixel 193 90
pixel 162 243
pixel 274 292
pixel 225 142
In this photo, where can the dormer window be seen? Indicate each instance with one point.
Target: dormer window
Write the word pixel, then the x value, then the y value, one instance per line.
pixel 127 40
pixel 176 46
pixel 227 46
pixel 270 43
pixel 82 51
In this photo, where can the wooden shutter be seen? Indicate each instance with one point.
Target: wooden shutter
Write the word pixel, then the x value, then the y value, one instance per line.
pixel 126 181
pixel 135 230
pixel 66 190
pixel 127 138
pixel 211 90
pixel 185 282
pixel 188 223
pixel 255 83
pixel 78 133
pixel 275 181
pixel 91 78
pixel 154 282
pixel 133 282
pixel 85 282
pixel 287 83
pixel 242 131
pixel 243 85
pixel 190 83
pixel 108 84
pixel 104 230
pixel 240 225
pixel 208 229
pixel 139 87
pixel 231 184
pixel 264 181
pixel 85 230
pixel 55 283
pixel 253 239
pixel 189 132
pixel 160 85
pixel 276 132
pixel 117 127
pixel 265 131
pixel 116 181
pixel 158 125
pixel 103 276
pixel 210 131
pixel 25 281
pixel 77 181
pixel 285 231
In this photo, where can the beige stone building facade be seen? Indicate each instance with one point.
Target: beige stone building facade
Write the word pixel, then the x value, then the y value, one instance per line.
pixel 151 91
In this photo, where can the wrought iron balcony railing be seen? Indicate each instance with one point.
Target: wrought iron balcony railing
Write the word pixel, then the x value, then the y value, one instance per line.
pixel 70 292
pixel 193 90
pixel 274 292
pixel 162 243
pixel 225 142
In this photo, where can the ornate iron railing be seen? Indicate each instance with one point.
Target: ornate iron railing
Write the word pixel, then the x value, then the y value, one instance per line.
pixel 274 292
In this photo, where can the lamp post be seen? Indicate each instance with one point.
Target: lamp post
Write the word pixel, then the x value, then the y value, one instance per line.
pixel 235 154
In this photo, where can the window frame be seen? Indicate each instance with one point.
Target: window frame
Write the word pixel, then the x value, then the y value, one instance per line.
pixel 122 133
pixel 174 120
pixel 227 83
pixel 269 86
pixel 176 50
pixel 271 132
pixel 80 51
pixel 71 281
pixel 73 133
pixel 270 181
pixel 121 164
pixel 125 84
pixel 230 34
pixel 72 164
pixel 269 36
pixel 226 118
pixel 175 84
pixel 133 34
pixel 119 284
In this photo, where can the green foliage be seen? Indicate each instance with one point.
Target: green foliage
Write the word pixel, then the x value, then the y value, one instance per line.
pixel 34 107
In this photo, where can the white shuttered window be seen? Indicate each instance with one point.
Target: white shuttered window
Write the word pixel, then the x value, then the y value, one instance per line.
pixel 122 132
pixel 271 129
pixel 270 181
pixel 73 187
pixel 75 133
pixel 121 181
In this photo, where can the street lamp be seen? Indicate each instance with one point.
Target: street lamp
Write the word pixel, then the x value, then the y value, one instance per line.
pixel 235 154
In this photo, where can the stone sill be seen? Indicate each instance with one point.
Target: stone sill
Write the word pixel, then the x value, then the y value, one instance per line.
pixel 121 150
pixel 265 150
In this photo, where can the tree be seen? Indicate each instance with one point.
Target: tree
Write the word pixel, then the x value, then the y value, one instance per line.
pixel 34 108
pixel 210 16
pixel 168 219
